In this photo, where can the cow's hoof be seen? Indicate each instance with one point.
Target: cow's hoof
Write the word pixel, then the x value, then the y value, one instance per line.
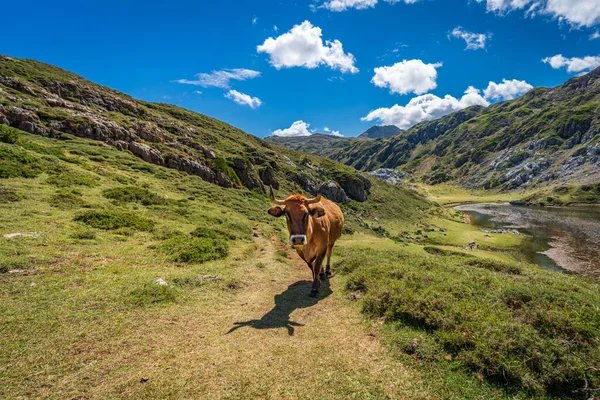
pixel 322 276
pixel 314 293
pixel 328 273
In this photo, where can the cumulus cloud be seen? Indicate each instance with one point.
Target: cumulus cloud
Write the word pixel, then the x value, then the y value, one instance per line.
pixel 574 64
pixel 336 133
pixel 221 79
pixel 425 107
pixel 243 99
pixel 475 41
pixel 412 76
pixel 575 12
pixel 298 128
pixel 303 46
pixel 506 90
pixel 343 5
pixel 430 106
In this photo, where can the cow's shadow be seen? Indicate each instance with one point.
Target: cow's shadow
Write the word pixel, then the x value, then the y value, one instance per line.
pixel 294 297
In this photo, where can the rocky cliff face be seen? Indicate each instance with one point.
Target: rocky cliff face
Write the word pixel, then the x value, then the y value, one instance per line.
pixel 45 100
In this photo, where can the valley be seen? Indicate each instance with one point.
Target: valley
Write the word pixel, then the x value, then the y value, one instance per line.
pixel 137 260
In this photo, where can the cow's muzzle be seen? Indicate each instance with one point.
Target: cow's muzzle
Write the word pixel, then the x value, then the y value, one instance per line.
pixel 298 240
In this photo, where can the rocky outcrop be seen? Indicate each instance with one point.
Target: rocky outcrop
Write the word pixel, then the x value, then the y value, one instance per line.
pixel 333 192
pixel 388 175
pixel 308 183
pixel 146 153
pixel 247 175
pixel 267 176
pixel 355 186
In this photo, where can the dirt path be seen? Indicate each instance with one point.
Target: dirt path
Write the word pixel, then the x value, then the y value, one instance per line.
pixel 271 341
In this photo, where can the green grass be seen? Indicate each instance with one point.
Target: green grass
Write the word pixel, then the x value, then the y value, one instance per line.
pixel 195 250
pixel 515 326
pixel 115 220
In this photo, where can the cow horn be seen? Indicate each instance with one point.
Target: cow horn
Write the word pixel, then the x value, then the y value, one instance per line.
pixel 315 200
pixel 273 199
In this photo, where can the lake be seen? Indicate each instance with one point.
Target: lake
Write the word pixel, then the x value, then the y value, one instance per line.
pixel 559 238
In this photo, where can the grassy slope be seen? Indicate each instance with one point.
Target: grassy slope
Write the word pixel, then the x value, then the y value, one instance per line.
pixel 94 304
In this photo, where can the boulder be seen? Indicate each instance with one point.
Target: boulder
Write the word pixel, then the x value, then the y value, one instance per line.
pixel 354 186
pixel 306 183
pixel 388 175
pixel 247 175
pixel 267 176
pixel 146 153
pixel 333 192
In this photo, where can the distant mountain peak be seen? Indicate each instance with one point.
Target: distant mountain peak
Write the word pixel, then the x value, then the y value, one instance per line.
pixel 380 131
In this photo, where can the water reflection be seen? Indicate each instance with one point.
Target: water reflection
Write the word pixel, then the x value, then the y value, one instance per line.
pixel 561 237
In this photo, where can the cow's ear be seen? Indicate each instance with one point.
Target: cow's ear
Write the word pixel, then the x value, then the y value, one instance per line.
pixel 317 211
pixel 276 211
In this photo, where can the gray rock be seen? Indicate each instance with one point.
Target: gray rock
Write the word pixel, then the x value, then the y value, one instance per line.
pixel 267 176
pixel 146 153
pixel 333 192
pixel 388 175
pixel 161 282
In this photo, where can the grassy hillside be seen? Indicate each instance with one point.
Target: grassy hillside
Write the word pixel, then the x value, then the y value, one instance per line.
pixel 546 137
pixel 124 277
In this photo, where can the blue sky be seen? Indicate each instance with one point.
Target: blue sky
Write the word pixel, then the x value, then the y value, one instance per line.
pixel 375 62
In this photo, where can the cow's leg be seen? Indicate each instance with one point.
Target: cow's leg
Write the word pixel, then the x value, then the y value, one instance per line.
pixel 328 267
pixel 316 272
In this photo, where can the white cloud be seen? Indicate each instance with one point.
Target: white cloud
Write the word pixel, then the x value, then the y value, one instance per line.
pixel 343 5
pixel 507 90
pixel 595 35
pixel 574 64
pixel 303 46
pixel 254 21
pixel 243 99
pixel 475 41
pixel 430 106
pixel 326 129
pixel 298 128
pixel 575 12
pixel 425 107
pixel 198 91
pixel 275 28
pixel 336 134
pixel 221 78
pixel 407 76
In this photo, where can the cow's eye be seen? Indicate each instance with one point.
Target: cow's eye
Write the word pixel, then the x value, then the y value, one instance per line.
pixel 305 216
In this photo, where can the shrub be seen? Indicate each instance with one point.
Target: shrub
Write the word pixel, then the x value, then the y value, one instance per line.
pixel 194 250
pixel 152 294
pixel 16 163
pixel 110 220
pixel 9 135
pixel 8 196
pixel 87 234
pixel 66 199
pixel 63 177
pixel 131 194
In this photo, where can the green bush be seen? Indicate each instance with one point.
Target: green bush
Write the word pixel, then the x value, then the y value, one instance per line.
pixel 9 135
pixel 111 220
pixel 8 196
pixel 63 177
pixel 131 194
pixel 16 163
pixel 194 250
pixel 152 294
pixel 87 234
pixel 67 199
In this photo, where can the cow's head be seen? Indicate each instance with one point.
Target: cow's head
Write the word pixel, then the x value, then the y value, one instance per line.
pixel 298 211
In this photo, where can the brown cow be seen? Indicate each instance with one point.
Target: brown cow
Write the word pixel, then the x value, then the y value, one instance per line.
pixel 314 226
